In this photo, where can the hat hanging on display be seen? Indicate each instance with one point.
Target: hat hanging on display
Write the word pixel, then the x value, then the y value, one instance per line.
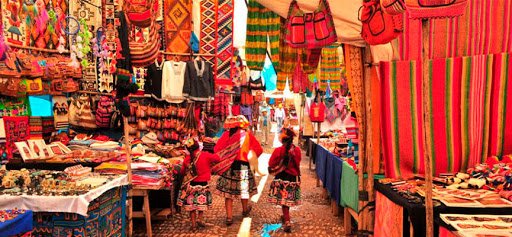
pixel 150 138
pixel 236 122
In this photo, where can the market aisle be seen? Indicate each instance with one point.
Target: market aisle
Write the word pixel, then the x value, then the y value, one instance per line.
pixel 312 218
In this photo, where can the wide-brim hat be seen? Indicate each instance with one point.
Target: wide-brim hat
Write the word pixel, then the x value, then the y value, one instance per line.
pixel 150 138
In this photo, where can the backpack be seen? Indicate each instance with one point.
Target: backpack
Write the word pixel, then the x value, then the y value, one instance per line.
pixel 378 26
pixel 104 111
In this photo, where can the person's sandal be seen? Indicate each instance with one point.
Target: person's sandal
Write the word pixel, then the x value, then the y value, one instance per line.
pixel 229 221
pixel 246 213
pixel 287 227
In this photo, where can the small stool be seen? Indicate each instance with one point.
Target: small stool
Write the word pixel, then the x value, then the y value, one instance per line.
pixel 145 213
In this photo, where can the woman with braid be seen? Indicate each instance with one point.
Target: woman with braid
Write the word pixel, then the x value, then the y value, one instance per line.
pixel 285 165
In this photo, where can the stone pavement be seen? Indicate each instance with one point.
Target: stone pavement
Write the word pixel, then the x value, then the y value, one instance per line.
pixel 312 218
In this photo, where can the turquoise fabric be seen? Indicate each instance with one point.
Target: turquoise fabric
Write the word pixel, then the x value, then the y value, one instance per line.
pixel 269 75
pixel 41 105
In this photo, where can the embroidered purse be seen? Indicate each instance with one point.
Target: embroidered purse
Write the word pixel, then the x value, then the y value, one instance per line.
pixel 310 30
pixel 435 8
pixel 379 27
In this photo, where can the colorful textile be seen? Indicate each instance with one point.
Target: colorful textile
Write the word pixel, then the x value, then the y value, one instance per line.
pixel 263 26
pixel 106 215
pixel 330 71
pixel 237 183
pixel 349 187
pixel 40 31
pixel 499 122
pixel 208 36
pixel 60 112
pixel 178 28
pixel 36 127
pixel 16 224
pixel 435 8
pixel 285 193
pixel 235 148
pixel 16 129
pixel 195 197
pixel 402 126
pixel 224 41
pixel 484 28
pixel 467 120
pixel 388 217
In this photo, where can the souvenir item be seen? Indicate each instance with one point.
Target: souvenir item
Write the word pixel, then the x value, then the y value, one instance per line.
pixel 140 13
pixel 16 129
pixel 26 153
pixel 310 30
pixel 379 27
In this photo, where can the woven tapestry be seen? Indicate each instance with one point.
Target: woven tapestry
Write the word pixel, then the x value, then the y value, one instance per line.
pixel 484 28
pixel 16 129
pixel 60 112
pixel 500 124
pixel 106 217
pixel 41 32
pixel 14 24
pixel 208 36
pixel 468 104
pixel 90 14
pixel 178 26
pixel 36 127
pixel 225 41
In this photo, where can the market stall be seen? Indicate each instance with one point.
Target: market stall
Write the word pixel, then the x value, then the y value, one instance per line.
pixel 63 203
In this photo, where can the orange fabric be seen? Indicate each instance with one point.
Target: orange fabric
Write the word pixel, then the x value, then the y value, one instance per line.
pixel 375 123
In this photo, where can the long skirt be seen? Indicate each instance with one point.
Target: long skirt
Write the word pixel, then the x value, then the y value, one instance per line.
pixel 237 182
pixel 285 191
pixel 195 196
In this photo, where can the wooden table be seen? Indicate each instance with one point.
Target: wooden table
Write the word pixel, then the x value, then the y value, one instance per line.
pixel 146 212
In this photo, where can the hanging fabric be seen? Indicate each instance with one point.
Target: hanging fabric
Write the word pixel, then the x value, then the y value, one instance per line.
pixel 435 8
pixel 262 25
pixel 330 72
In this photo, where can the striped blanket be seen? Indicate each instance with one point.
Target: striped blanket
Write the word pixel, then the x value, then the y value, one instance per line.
pixel 468 107
pixel 484 28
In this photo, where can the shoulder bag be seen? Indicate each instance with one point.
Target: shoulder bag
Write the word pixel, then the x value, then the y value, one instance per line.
pixel 310 30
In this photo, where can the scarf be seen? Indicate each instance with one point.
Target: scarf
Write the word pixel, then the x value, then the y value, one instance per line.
pixel 191 171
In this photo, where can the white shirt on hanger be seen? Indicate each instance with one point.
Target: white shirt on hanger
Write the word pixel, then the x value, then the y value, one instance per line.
pixel 173 78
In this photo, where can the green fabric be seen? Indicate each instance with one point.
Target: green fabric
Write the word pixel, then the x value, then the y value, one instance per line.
pixel 349 187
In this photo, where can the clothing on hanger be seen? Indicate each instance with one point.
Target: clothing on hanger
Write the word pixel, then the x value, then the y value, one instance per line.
pixel 173 80
pixel 199 83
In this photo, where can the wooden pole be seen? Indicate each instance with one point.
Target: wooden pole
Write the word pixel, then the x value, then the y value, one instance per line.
pixel 369 141
pixel 360 113
pixel 128 151
pixel 318 126
pixel 426 128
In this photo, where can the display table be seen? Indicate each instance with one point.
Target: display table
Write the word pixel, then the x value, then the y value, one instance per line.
pixel 398 216
pixel 20 225
pixel 100 212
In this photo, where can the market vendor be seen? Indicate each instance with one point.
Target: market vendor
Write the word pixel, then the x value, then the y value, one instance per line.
pixel 236 178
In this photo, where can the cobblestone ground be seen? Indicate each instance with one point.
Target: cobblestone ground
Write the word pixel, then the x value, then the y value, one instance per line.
pixel 312 218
